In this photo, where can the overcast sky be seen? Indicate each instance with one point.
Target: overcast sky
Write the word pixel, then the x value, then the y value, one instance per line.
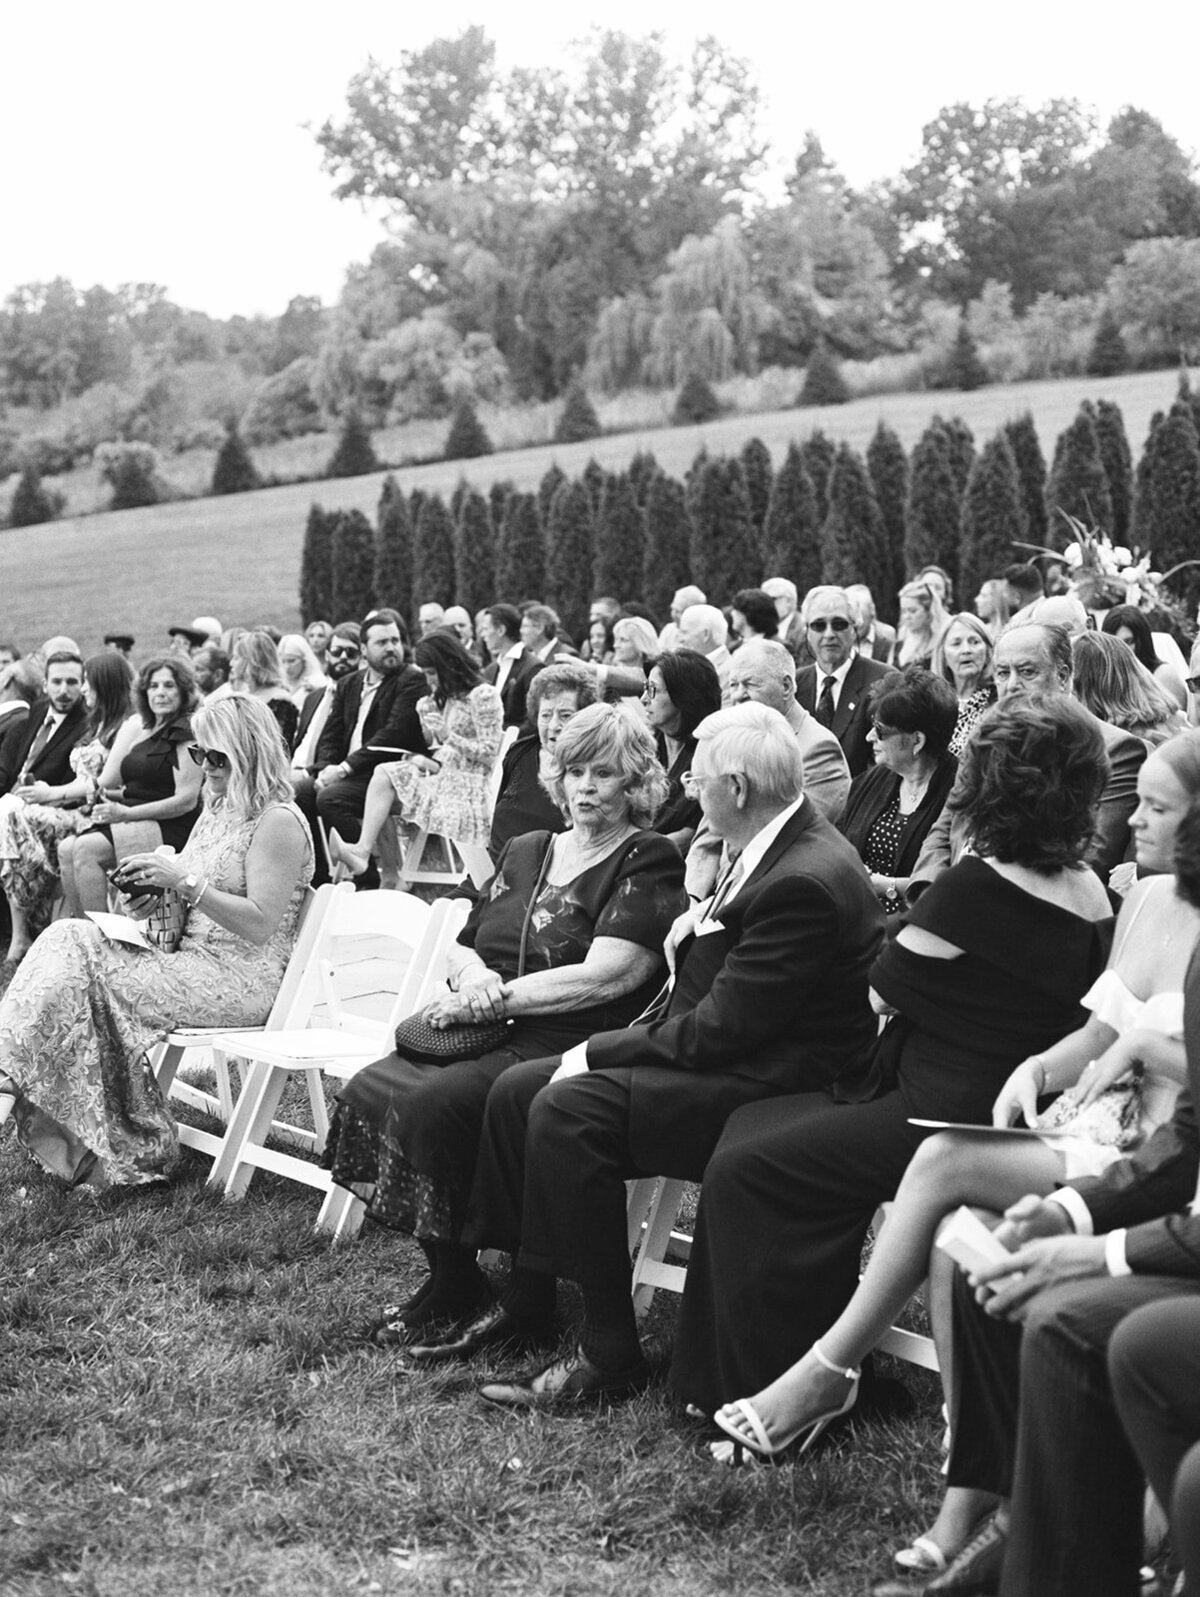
pixel 171 144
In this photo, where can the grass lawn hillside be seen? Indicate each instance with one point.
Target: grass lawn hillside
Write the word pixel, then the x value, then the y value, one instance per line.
pixel 238 557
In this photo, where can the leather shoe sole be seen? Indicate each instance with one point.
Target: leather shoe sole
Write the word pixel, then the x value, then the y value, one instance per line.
pixel 495 1328
pixel 572 1380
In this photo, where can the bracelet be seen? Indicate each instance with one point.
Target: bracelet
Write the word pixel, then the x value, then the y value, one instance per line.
pixel 200 894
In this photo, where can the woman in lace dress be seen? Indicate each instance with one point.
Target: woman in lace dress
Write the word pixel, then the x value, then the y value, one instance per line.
pixel 81 1013
pixel 445 791
pixel 34 818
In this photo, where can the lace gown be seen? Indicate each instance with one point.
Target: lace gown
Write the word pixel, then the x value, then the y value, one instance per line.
pixel 30 835
pixel 81 1013
pixel 466 735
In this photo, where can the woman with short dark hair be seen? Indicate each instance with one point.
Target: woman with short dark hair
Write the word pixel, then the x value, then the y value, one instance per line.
pixel 682 688
pixel 892 806
pixel 989 968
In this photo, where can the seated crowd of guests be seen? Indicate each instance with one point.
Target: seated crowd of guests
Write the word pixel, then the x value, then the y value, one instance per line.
pixel 784 903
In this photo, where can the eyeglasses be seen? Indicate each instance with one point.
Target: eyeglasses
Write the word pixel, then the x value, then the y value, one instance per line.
pixel 342 654
pixel 691 783
pixel 650 691
pixel 837 623
pixel 883 732
pixel 212 758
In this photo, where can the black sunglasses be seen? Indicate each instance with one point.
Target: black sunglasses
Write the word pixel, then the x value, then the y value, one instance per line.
pixel 838 623
pixel 213 758
pixel 342 654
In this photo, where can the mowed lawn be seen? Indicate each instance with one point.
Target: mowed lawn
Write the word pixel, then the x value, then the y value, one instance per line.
pixel 239 557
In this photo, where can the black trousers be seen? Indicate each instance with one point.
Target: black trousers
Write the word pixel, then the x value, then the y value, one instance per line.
pixel 787 1201
pixel 1154 1368
pixel 339 804
pixel 553 1160
pixel 1036 1422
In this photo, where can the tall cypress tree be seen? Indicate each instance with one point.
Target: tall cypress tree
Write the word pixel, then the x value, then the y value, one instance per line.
pixel 1078 486
pixel 643 469
pixel 931 517
pixel 394 550
pixel 993 517
pixel 1031 474
pixel 569 555
pixel 467 438
pixel 854 544
pixel 234 471
pixel 578 419
pixel 595 480
pixel 498 495
pixel 620 541
pixel 316 571
pixel 818 452
pixel 1175 474
pixel 791 532
pixel 1145 519
pixel 547 488
pixel 737 554
pixel 665 566
pixel 961 443
pixel 887 465
pixel 823 381
pixel 706 503
pixel 1117 460
pixel 433 554
pixel 759 476
pixel 521 550
pixel 475 554
pixel 353 565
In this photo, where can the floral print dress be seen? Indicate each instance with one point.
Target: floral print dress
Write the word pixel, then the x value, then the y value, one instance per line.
pixel 454 800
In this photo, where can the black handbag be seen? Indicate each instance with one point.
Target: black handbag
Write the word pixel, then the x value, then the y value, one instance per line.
pixel 426 1044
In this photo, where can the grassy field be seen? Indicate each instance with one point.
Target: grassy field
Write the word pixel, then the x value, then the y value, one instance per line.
pixel 239 557
pixel 189 1405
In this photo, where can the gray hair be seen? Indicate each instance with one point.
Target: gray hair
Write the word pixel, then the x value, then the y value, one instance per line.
pixel 711 621
pixel 777 656
pixel 611 733
pixel 826 590
pixel 780 588
pixel 562 676
pixel 756 742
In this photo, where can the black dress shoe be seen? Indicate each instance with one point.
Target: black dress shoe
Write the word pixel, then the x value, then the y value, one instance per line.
pixel 574 1379
pixel 494 1328
pixel 975 1571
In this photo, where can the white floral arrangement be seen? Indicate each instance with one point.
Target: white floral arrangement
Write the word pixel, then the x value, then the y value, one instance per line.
pixel 1096 562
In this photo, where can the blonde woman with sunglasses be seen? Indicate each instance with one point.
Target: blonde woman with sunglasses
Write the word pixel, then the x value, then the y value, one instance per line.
pixel 82 1011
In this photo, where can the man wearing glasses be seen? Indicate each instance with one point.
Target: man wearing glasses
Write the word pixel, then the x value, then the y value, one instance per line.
pixel 836 688
pixel 343 654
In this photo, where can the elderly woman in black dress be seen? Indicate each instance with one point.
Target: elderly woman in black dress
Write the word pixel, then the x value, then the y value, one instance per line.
pixel 989 969
pixel 584 914
pixel 892 806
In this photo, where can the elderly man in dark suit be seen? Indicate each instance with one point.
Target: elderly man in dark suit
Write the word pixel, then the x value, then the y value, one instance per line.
pixel 769 996
pixel 1035 659
pixel 373 714
pixel 1050 1337
pixel 836 689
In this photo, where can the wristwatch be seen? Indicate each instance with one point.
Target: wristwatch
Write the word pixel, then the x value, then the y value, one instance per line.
pixel 892 896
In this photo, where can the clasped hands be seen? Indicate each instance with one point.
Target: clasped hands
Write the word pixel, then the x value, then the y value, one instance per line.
pixel 482 996
pixel 1045 1251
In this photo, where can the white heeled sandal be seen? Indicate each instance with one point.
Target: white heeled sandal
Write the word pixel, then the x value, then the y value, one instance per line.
pixel 762 1445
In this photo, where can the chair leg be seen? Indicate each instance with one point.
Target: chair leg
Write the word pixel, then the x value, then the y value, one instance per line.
pixel 341 1214
pixel 249 1127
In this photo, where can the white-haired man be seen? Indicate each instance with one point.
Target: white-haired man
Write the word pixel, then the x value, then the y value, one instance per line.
pixel 837 687
pixel 768 997
pixel 791 624
pixel 763 672
pixel 668 638
pixel 875 638
pixel 702 627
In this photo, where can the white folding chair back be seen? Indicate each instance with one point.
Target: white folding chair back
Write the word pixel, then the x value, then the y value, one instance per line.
pixel 289 1002
pixel 510 736
pixel 340 1050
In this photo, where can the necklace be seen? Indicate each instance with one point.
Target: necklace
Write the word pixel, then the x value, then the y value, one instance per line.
pixel 911 793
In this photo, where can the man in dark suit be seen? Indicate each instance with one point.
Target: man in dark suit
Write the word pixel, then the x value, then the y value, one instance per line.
pixel 836 689
pixel 1036 1358
pixel 769 996
pixel 40 751
pixel 513 665
pixel 373 714
pixel 343 655
pixel 1032 658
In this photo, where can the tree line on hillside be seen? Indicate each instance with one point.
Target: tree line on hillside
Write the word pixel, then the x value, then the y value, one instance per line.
pixel 826 513
pixel 604 221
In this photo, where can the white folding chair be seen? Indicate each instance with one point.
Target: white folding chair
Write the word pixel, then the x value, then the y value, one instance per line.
pixel 341 1049
pixel 652 1206
pixel 291 1001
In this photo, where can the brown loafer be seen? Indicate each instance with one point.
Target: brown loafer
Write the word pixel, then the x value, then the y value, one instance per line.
pixel 570 1380
pixel 494 1328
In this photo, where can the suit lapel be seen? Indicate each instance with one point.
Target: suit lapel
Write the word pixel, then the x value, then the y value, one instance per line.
pixel 851 694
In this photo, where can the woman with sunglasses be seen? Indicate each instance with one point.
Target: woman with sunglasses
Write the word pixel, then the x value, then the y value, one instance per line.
pixel 891 808
pixel 149 789
pixel 82 1012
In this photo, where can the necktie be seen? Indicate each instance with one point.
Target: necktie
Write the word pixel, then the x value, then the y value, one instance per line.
pixel 39 743
pixel 725 888
pixel 824 710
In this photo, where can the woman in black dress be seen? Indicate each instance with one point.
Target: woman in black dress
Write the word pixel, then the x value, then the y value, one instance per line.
pixel 892 806
pixel 682 688
pixel 150 789
pixel 989 968
pixel 592 907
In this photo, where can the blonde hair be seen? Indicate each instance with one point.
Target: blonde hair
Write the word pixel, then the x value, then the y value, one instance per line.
pixel 640 633
pixel 312 676
pixel 611 733
pixel 244 729
pixel 254 662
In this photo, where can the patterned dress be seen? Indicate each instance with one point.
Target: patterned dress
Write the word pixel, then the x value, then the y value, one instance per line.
pixel 454 800
pixel 81 1013
pixel 30 835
